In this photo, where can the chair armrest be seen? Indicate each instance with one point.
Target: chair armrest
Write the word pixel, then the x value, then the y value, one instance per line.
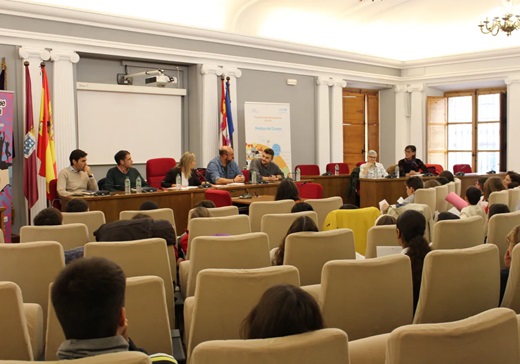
pixel 369 350
pixel 184 270
pixel 34 317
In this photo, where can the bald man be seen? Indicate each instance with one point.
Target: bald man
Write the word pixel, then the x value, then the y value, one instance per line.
pixel 223 169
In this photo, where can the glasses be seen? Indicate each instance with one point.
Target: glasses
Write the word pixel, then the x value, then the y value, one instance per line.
pixel 371 156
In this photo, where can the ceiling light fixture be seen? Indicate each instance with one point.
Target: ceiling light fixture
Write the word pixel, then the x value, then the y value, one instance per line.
pixel 507 23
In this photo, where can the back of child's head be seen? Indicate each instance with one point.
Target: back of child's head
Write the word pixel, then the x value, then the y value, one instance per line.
pixel 473 195
pixel 497 208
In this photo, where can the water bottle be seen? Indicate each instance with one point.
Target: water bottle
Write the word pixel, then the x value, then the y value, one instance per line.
pixel 138 185
pixel 298 175
pixel 178 182
pixel 397 171
pixel 127 186
pixel 336 170
pixel 254 178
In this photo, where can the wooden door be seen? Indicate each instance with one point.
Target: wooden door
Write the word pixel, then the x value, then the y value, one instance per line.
pixel 353 128
pixel 373 122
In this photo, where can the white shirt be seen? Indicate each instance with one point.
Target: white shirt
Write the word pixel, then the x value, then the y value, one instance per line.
pixel 375 171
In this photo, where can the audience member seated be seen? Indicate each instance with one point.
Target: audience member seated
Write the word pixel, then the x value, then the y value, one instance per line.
pixel 385 220
pixel 493 184
pixel 302 206
pixel 199 211
pixel 431 183
pixel 148 205
pixel 348 206
pixel 409 165
pixel 115 180
pixel 481 181
pixel 88 297
pixel 372 169
pixel 512 238
pixel 206 203
pixel 412 184
pixel 497 208
pixel 76 178
pixel 511 177
pixel 302 223
pixel 77 205
pixel 223 169
pixel 283 310
pixel 448 175
pixel 186 169
pixel 473 195
pixel 287 190
pixel 446 215
pixel 410 233
pixel 442 180
pixel 48 216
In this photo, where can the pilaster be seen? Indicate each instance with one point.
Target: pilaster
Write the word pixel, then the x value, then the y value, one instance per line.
pixel 322 127
pixel 417 125
pixel 210 113
pixel 336 120
pixel 513 122
pixel 402 125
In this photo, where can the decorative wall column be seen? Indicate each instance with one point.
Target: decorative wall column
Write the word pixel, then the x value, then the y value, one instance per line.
pixel 417 124
pixel 210 113
pixel 323 121
pixel 513 122
pixel 336 120
pixel 402 127
pixel 35 57
pixel 63 105
pixel 233 74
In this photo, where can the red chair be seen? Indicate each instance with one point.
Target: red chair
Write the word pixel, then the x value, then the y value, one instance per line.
pixel 465 168
pixel 245 172
pixel 434 168
pixel 220 198
pixel 201 173
pixel 156 170
pixel 53 198
pixel 360 163
pixel 343 168
pixel 308 169
pixel 310 190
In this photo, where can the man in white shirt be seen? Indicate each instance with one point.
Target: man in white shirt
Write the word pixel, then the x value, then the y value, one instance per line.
pixel 77 178
pixel 372 169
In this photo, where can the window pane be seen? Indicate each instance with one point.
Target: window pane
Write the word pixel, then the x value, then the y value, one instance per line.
pixel 459 137
pixel 460 109
pixel 458 158
pixel 489 107
pixel 488 161
pixel 488 136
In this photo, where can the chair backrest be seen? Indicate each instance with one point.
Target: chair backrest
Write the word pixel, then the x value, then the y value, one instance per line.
pixel 358 220
pixel 458 186
pixel 437 167
pixel 259 209
pixel 384 235
pixel 458 234
pixel 139 258
pixel 14 333
pixel 323 206
pixel 156 170
pixel 343 168
pixel 458 283
pixel 367 297
pixel 221 302
pixel 93 220
pixel 464 168
pixel 309 251
pixel 423 209
pixel 512 293
pixel 441 204
pixel 158 214
pixel 427 196
pixel 32 266
pixel 70 235
pixel 498 227
pixel 208 226
pixel 122 357
pixel 146 310
pixel 276 225
pixel 53 198
pixel 499 197
pixel 308 169
pixel 514 197
pixel 326 345
pixel 246 251
pixel 219 197
pixel 489 337
pixel 310 190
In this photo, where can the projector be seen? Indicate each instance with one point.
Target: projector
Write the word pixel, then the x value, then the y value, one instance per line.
pixel 160 80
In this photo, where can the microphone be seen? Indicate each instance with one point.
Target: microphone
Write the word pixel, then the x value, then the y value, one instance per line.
pixel 247 195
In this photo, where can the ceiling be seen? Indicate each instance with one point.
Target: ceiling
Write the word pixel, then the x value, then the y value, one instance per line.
pixel 401 30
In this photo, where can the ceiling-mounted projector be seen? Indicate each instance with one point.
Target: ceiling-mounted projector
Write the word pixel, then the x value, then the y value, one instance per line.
pixel 157 77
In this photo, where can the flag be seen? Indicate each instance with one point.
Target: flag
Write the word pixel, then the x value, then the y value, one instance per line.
pixel 3 76
pixel 229 116
pixel 223 130
pixel 30 187
pixel 46 152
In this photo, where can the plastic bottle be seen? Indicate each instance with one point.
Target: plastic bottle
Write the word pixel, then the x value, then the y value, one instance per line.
pixel 396 172
pixel 127 186
pixel 336 170
pixel 254 178
pixel 298 175
pixel 138 185
pixel 178 182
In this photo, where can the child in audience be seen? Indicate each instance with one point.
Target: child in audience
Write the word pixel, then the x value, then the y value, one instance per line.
pixel 302 223
pixel 493 184
pixel 300 207
pixel 473 195
pixel 48 216
pixel 197 212
pixel 412 185
pixel 385 220
pixel 287 190
pixel 497 208
pixel 77 205
pixel 447 216
pixel 283 310
pixel 512 238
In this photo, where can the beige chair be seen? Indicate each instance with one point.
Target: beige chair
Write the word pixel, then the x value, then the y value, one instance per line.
pixel 498 227
pixel 458 186
pixel 70 235
pixel 366 297
pixel 224 297
pixel 488 337
pixel 276 225
pixel 499 197
pixel 514 197
pixel 32 266
pixel 15 327
pixel 208 226
pixel 125 357
pixel 511 297
pixel 441 204
pixel 423 209
pixel 259 209
pixel 2 238
pixel 369 350
pixel 145 307
pixel 384 235
pixel 322 346
pixel 158 214
pixel 458 283
pixel 458 234
pixel 309 251
pixel 93 220
pixel 427 196
pixel 323 206
pixel 139 258
pixel 451 188
pixel 219 211
pixel 245 251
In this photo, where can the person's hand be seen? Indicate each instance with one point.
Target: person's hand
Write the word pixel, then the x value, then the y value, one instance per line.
pixel 239 178
pixel 412 173
pixel 87 170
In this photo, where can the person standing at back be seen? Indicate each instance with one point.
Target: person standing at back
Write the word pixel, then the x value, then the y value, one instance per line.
pixel 116 176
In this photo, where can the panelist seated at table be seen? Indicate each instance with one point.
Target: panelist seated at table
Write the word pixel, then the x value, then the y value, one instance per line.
pixel 186 169
pixel 223 169
pixel 409 165
pixel 265 166
pixel 116 176
pixel 77 178
pixel 372 169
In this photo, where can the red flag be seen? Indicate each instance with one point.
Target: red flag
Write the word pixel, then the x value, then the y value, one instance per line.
pixel 223 130
pixel 46 151
pixel 30 187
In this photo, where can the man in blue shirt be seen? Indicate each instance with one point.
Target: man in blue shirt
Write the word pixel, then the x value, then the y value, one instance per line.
pixel 223 169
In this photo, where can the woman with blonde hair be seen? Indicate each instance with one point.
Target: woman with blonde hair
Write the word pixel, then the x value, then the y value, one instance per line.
pixel 186 169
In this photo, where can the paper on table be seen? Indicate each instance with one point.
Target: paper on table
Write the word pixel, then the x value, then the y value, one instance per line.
pixel 383 204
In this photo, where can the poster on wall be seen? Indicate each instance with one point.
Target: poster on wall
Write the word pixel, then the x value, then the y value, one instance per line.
pixel 6 158
pixel 268 125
